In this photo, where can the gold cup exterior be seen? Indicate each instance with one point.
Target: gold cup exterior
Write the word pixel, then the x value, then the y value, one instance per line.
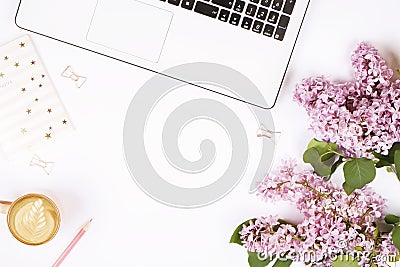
pixel 4 206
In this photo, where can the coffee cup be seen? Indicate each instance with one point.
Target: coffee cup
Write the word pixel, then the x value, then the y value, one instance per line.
pixel 32 219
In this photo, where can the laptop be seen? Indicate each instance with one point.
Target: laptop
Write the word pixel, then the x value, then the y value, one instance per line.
pixel 254 37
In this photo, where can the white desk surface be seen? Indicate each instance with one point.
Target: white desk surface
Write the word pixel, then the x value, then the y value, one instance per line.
pixel 90 178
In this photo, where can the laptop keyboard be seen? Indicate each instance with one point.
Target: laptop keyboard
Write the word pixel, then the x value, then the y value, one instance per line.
pixel 267 17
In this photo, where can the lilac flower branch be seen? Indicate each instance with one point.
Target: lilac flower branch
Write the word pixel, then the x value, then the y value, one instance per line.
pixel 330 216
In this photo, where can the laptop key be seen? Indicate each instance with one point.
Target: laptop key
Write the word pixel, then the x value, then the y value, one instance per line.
pixel 174 2
pixel 266 3
pixel 289 6
pixel 223 3
pixel 277 5
pixel 273 17
pixel 279 34
pixel 188 4
pixel 268 30
pixel 246 23
pixel 239 6
pixel 234 20
pixel 251 10
pixel 223 15
pixel 257 26
pixel 283 22
pixel 262 13
pixel 206 9
pixel 255 1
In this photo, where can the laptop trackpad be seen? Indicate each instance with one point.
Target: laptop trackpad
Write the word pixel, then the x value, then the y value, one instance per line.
pixel 131 27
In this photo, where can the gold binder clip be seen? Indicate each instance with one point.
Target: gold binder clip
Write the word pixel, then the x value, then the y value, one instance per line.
pixel 47 166
pixel 78 80
pixel 266 133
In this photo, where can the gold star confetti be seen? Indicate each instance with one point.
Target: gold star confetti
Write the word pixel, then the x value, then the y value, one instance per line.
pixel 2 75
pixel 64 122
pixel 49 110
pixel 40 85
pixel 16 64
pixel 6 58
pixel 48 135
pixel 28 111
pixel 23 89
pixel 33 62
pixel 22 44
pixel 23 131
pixel 32 78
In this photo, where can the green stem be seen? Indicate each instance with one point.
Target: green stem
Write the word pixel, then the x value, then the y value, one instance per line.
pixel 393 168
pixel 334 152
pixel 314 190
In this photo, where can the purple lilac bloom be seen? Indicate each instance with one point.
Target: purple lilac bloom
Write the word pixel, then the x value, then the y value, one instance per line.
pixel 360 116
pixel 334 222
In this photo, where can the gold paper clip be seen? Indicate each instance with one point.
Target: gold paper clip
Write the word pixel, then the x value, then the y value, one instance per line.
pixel 45 165
pixel 69 73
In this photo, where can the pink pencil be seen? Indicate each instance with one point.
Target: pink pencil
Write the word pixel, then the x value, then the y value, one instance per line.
pixel 72 244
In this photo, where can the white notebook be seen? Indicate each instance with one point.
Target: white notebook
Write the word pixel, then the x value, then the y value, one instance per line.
pixel 31 113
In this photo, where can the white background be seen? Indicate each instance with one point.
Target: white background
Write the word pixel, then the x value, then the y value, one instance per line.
pixel 90 178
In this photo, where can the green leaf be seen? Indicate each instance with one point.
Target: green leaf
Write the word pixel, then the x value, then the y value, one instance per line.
pixel 397 163
pixel 324 149
pixel 382 163
pixel 387 159
pixel 347 188
pixel 345 261
pixel 383 160
pixel 312 156
pixel 255 261
pixel 396 236
pixel 358 172
pixel 392 219
pixel 282 263
pixel 335 166
pixel 235 238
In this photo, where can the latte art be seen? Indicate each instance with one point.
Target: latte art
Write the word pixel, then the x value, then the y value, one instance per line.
pixel 33 220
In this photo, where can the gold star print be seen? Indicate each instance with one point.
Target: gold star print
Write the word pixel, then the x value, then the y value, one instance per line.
pixel 2 75
pixel 6 58
pixel 23 131
pixel 23 89
pixel 16 64
pixel 22 45
pixel 28 111
pixel 49 110
pixel 64 122
pixel 48 135
pixel 33 62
